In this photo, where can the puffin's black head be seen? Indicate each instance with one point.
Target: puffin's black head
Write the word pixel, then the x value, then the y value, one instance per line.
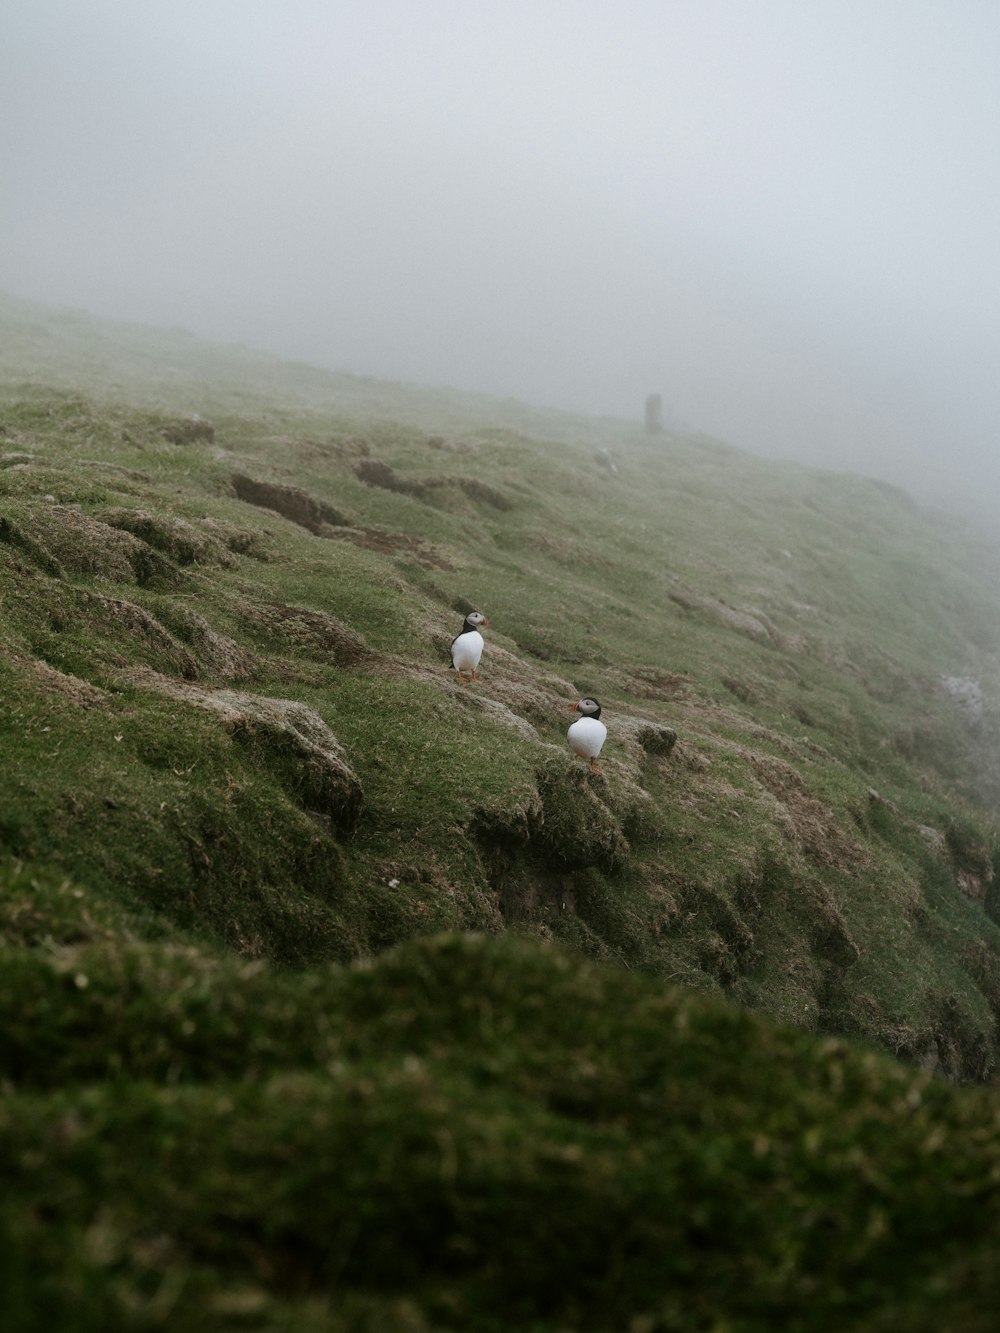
pixel 474 620
pixel 587 708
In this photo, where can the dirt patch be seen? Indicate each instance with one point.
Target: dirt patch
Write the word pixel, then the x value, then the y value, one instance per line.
pixel 394 543
pixel 290 502
pixel 533 894
pixel 375 473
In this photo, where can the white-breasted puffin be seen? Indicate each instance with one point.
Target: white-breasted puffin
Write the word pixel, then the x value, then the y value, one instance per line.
pixel 467 647
pixel 588 733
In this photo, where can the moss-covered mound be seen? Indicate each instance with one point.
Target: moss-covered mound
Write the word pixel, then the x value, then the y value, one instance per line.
pixel 470 1134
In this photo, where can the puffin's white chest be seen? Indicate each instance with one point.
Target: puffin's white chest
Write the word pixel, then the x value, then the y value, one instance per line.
pixel 466 650
pixel 586 736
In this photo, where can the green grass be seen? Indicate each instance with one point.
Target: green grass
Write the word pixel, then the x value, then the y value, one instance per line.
pixel 213 1119
pixel 586 1150
pixel 593 584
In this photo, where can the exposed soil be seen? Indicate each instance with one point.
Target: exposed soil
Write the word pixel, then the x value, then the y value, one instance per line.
pixel 290 501
pixel 394 543
pixel 375 473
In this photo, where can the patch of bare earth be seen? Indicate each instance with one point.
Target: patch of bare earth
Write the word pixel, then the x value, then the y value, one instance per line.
pixel 415 549
pixel 373 472
pixel 290 502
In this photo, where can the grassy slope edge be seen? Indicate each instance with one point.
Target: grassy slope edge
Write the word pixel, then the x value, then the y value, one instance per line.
pixel 230 731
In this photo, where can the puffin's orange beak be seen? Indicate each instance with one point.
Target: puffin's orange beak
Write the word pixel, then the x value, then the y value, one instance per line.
pixel 486 620
pixel 574 707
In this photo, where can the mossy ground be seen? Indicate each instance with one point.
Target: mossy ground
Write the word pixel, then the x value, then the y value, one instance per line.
pixel 190 1141
pixel 188 1052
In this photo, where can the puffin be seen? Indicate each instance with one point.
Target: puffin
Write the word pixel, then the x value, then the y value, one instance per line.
pixel 467 647
pixel 588 733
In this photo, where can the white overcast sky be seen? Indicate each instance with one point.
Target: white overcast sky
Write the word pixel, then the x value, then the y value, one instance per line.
pixel 783 215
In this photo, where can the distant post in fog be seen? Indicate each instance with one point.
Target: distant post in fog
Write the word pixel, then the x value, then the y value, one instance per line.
pixel 654 414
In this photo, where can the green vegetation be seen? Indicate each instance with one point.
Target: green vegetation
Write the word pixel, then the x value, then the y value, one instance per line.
pixel 420 1144
pixel 335 996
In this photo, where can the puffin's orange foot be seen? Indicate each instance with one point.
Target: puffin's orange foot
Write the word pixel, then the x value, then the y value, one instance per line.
pixel 595 769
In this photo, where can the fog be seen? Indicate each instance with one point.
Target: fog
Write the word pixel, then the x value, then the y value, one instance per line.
pixel 782 216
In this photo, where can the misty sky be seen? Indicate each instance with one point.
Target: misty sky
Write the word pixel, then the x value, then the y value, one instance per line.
pixel 783 215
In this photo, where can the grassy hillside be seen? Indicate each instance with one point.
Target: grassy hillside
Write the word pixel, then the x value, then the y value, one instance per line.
pixel 239 770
